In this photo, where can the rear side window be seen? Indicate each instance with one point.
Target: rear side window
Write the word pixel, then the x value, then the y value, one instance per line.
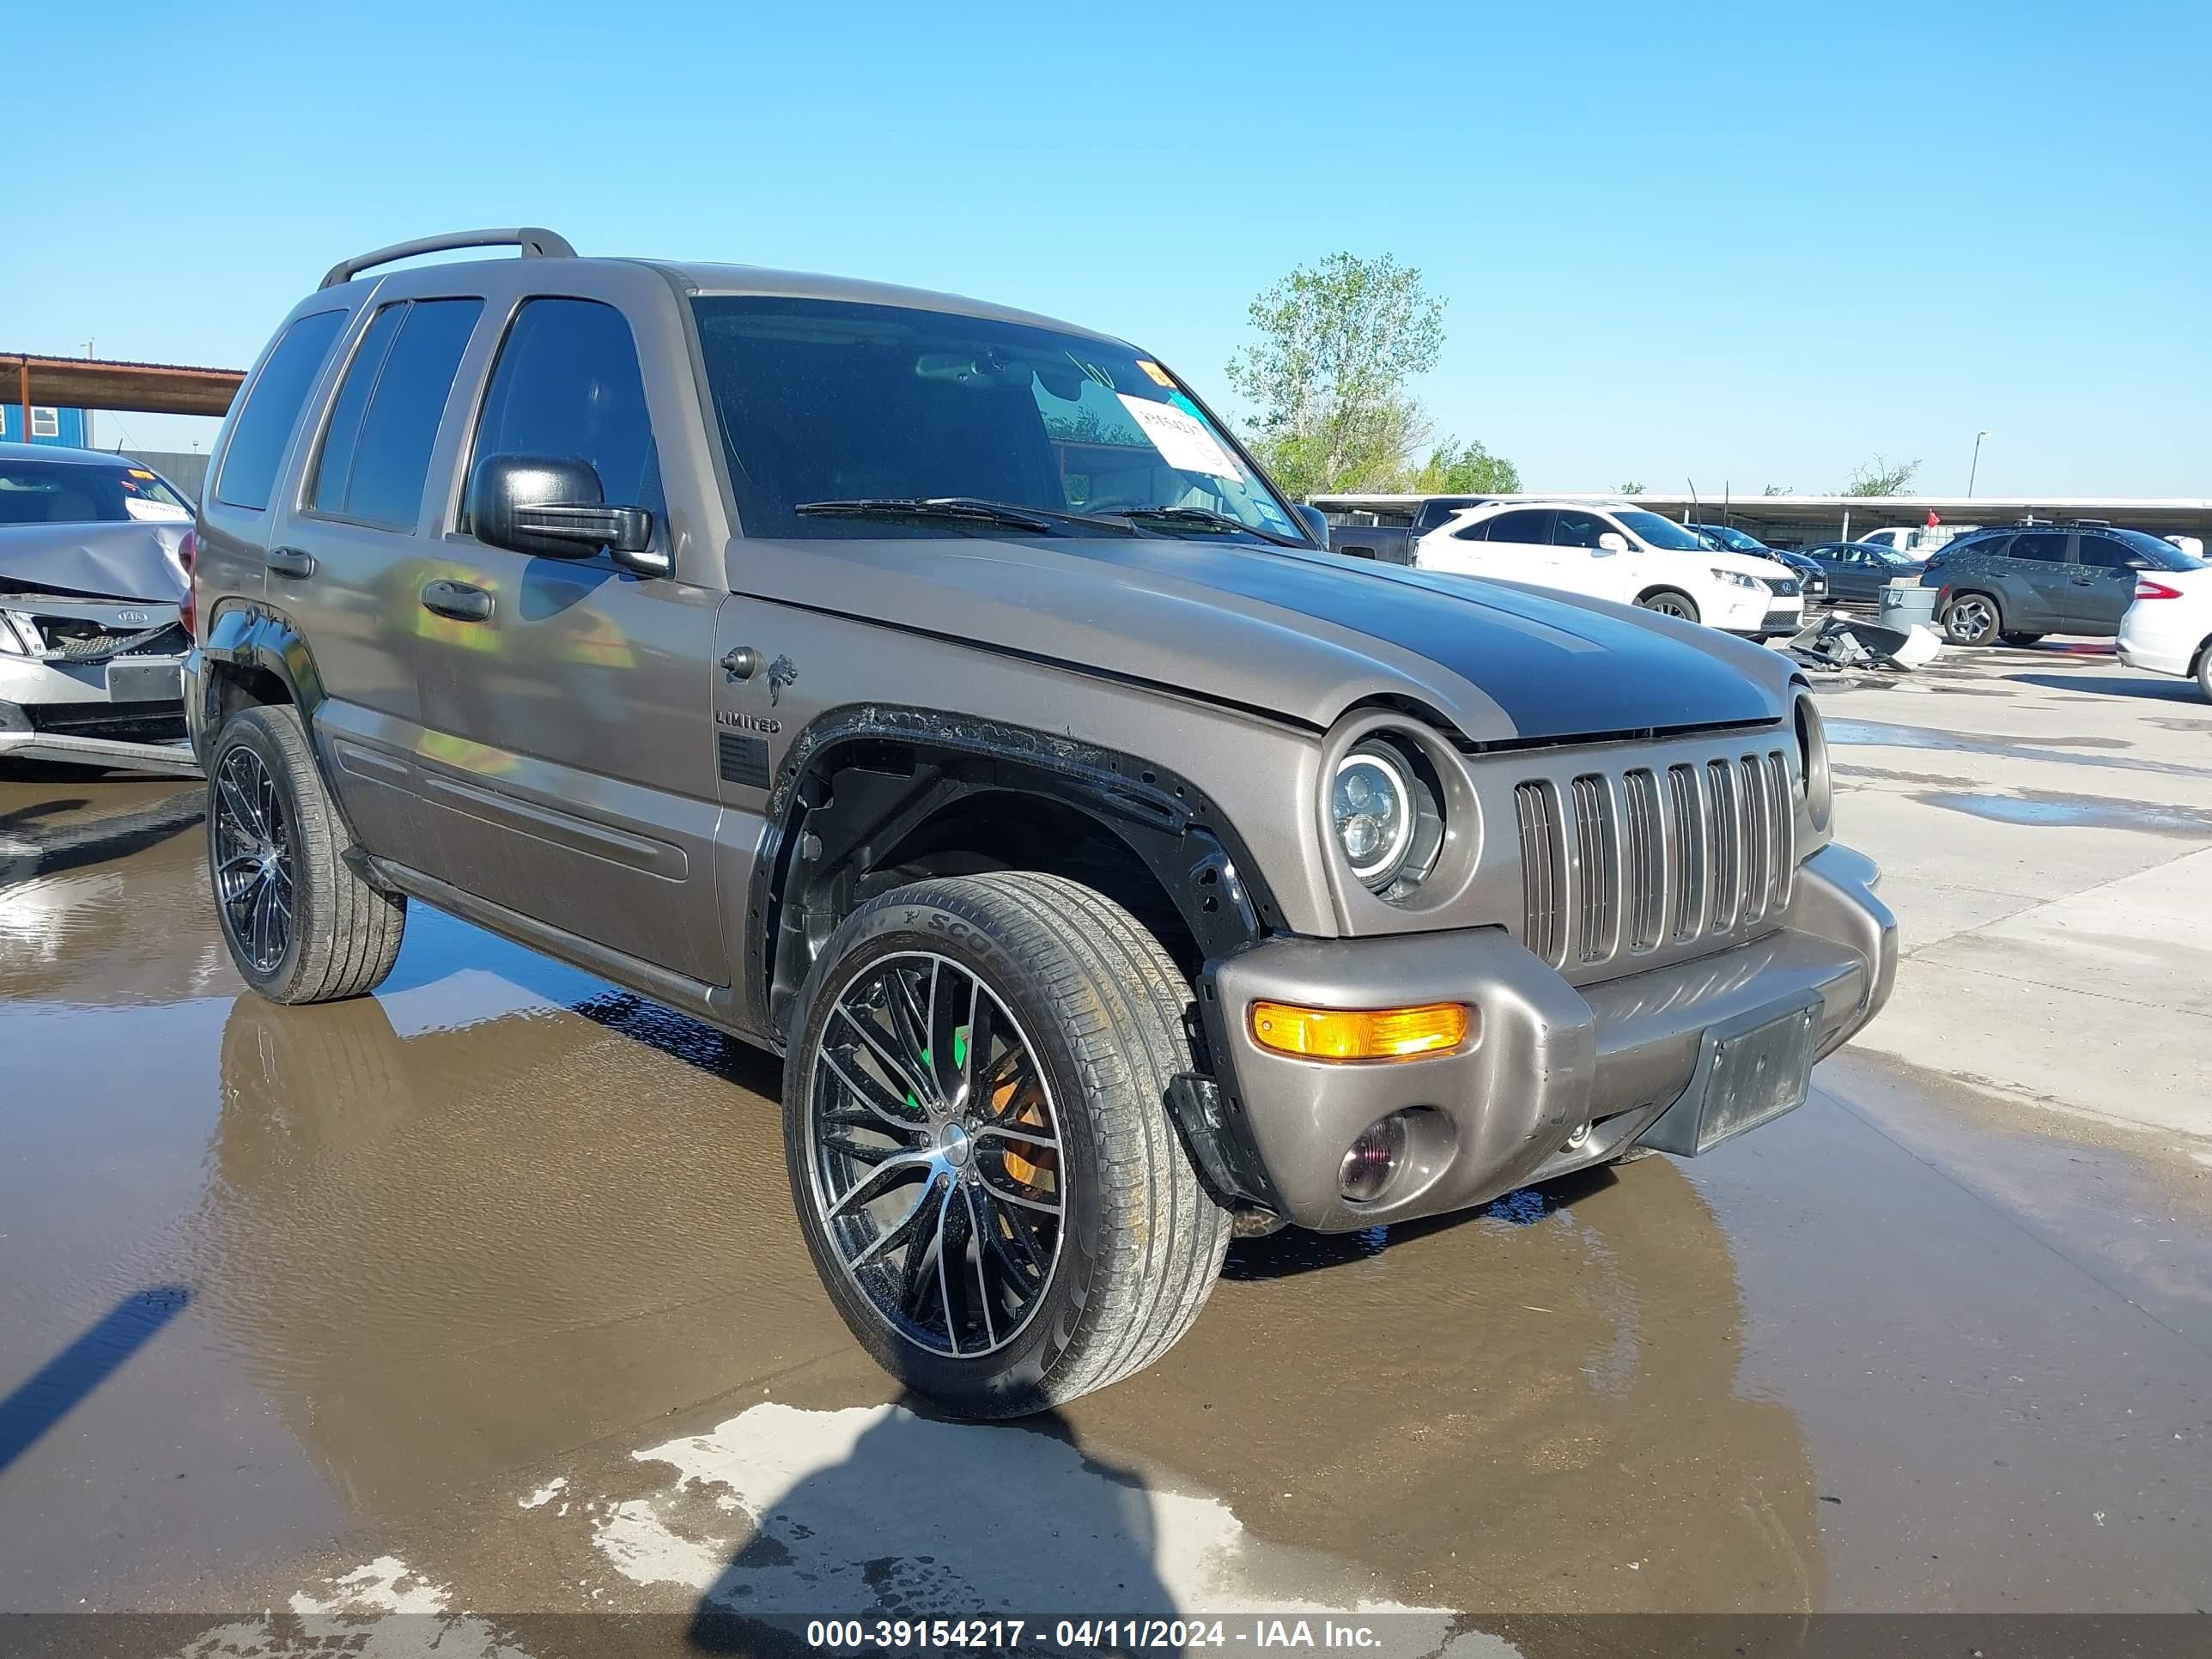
pixel 272 407
pixel 1477 532
pixel 376 454
pixel 2044 546
pixel 568 384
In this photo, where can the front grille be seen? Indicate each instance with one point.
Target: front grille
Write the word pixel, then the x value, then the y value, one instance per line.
pixel 127 722
pixel 1624 863
pixel 1787 587
pixel 81 641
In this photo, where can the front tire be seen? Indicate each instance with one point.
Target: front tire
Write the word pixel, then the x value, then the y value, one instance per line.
pixel 2022 639
pixel 979 1147
pixel 1668 602
pixel 1971 619
pixel 301 924
pixel 2204 670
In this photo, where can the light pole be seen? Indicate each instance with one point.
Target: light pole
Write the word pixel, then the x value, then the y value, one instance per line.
pixel 1976 466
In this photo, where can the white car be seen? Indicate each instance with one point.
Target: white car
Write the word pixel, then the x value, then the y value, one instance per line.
pixel 1916 541
pixel 2168 629
pixel 1621 552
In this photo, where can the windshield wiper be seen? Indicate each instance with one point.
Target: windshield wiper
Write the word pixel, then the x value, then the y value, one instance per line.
pixel 960 509
pixel 1202 518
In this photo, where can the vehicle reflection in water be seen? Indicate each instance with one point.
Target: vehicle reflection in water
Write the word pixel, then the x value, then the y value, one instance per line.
pixel 107 906
pixel 1534 1407
pixel 467 1250
pixel 450 1251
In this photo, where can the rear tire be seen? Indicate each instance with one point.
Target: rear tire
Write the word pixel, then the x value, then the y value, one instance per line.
pixel 302 925
pixel 1670 601
pixel 2022 639
pixel 1093 1249
pixel 1971 619
pixel 2204 670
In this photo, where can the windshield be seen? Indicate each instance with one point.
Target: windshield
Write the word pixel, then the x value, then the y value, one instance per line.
pixel 80 492
pixel 826 401
pixel 1657 531
pixel 1735 541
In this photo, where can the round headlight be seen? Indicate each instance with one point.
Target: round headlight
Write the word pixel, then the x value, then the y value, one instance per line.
pixel 1387 808
pixel 1373 807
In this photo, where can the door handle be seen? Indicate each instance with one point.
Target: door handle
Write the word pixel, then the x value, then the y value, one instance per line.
pixel 290 561
pixel 457 601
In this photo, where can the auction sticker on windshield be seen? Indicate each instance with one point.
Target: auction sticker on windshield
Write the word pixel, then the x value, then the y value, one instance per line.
pixel 1182 440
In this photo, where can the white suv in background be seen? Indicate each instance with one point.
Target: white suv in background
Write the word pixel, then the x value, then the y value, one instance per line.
pixel 1617 552
pixel 2168 629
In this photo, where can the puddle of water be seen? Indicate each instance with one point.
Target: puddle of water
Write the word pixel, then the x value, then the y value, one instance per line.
pixel 2073 811
pixel 1881 734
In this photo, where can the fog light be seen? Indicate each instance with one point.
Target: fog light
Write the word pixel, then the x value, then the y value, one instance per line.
pixel 1359 1034
pixel 1373 1161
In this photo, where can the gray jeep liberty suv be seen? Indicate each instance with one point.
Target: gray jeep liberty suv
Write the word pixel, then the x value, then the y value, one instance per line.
pixel 939 696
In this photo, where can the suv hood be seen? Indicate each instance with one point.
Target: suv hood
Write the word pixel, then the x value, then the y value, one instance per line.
pixel 98 560
pixel 1290 635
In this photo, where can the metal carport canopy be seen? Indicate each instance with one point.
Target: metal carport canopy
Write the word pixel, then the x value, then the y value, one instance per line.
pixel 93 383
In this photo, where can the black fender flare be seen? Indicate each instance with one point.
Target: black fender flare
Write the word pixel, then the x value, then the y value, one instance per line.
pixel 244 635
pixel 1172 826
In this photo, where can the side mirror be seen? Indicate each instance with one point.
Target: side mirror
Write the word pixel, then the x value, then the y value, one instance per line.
pixel 1612 541
pixel 1315 520
pixel 552 505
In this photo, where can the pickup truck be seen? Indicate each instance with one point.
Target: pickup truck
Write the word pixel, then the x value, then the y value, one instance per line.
pixel 1384 528
pixel 940 697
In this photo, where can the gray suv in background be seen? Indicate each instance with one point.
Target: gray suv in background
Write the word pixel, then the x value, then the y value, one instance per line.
pixel 2019 584
pixel 939 696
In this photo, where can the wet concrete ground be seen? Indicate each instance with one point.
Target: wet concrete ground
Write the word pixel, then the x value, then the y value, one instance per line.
pixel 483 1296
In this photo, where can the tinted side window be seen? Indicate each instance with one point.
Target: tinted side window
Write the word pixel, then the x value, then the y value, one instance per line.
pixel 1574 529
pixel 1530 525
pixel 272 407
pixel 2109 555
pixel 1477 532
pixel 2041 545
pixel 568 384
pixel 377 453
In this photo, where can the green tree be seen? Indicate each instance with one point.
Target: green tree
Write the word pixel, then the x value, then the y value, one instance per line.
pixel 1628 490
pixel 1879 477
pixel 1776 489
pixel 1468 470
pixel 1339 343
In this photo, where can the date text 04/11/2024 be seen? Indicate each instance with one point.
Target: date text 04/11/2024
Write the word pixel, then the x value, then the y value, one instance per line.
pixel 1079 1635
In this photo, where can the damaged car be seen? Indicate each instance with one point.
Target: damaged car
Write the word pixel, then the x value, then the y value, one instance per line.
pixel 95 560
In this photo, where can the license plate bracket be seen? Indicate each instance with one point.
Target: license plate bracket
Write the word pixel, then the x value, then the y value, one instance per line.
pixel 145 682
pixel 1751 1070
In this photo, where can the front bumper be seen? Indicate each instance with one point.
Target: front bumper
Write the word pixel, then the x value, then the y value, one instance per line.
pixel 95 714
pixel 1549 1061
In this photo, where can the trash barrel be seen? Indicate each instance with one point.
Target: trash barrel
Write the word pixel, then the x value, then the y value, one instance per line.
pixel 1904 604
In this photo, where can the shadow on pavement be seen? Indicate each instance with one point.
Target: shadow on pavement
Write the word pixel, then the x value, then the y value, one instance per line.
pixel 2161 689
pixel 56 1387
pixel 921 1517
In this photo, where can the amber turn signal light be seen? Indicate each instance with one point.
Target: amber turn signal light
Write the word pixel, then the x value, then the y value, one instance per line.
pixel 1359 1033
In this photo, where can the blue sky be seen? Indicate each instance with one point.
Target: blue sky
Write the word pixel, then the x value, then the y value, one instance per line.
pixel 1746 244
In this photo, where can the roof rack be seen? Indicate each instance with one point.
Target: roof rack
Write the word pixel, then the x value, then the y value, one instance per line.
pixel 535 243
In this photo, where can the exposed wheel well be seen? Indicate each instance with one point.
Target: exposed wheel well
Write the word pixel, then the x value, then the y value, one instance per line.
pixel 234 686
pixel 1657 588
pixel 871 816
